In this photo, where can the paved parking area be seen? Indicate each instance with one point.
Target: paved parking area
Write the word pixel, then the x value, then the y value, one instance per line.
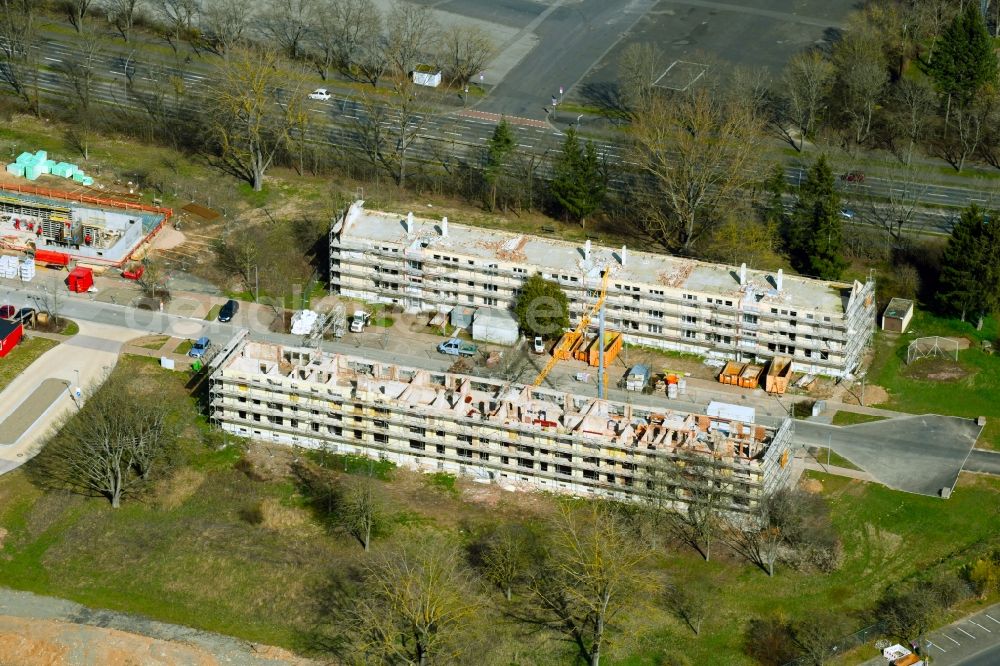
pixel 753 33
pixel 973 640
pixel 917 454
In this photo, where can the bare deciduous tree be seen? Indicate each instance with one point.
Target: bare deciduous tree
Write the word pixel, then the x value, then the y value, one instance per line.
pixel 76 12
pixel 694 154
pixel 19 50
pixel 179 17
pixel 343 31
pixel 224 23
pixel 640 65
pixel 79 75
pixel 895 213
pixel 362 512
pixel 914 101
pixel 691 602
pixel 816 635
pixel 112 446
pixel 257 100
pixel 286 23
pixel 464 51
pixel 507 557
pixel 122 15
pixel 592 578
pixel 861 79
pixel 758 536
pixel 412 33
pixel 807 80
pixel 387 128
pixel 971 123
pixel 413 606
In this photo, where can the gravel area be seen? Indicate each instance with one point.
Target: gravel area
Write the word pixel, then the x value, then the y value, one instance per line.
pixel 46 630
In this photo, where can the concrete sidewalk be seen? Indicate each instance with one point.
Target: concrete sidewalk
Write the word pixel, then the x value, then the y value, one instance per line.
pixel 89 356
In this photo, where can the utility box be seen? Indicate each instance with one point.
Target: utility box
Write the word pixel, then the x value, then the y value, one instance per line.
pixel 897 315
pixel 80 279
pixel 425 75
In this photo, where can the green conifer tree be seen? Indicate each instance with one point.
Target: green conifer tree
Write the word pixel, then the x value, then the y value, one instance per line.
pixel 498 151
pixel 964 61
pixel 578 184
pixel 969 283
pixel 815 232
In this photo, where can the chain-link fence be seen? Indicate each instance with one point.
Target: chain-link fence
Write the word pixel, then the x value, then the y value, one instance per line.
pixel 867 635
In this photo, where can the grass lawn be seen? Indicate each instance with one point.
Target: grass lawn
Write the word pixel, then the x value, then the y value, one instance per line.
pixel 225 548
pixel 941 386
pixel 843 418
pixel 184 347
pixel 70 328
pixel 213 313
pixel 155 343
pixel 23 355
pixel 835 459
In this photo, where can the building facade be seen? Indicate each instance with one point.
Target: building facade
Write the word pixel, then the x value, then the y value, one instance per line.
pixel 510 434
pixel 656 300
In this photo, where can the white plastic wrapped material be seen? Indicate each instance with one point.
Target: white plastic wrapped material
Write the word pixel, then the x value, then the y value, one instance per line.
pixel 27 270
pixel 303 322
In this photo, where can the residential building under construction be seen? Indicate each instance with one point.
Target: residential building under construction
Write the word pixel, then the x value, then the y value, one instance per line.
pixel 511 434
pixel 657 300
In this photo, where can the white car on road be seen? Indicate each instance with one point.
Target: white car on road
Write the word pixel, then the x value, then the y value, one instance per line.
pixel 320 94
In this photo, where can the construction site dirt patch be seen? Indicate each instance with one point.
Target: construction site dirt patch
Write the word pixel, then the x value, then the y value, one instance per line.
pixel 935 370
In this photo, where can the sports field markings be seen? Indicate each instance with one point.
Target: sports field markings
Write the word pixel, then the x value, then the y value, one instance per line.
pixel 680 75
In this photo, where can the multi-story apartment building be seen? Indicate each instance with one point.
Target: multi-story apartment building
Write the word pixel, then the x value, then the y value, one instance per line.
pixel 511 434
pixel 655 299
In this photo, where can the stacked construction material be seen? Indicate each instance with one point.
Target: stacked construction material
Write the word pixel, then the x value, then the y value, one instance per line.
pixel 304 321
pixel 8 267
pixel 27 270
pixel 31 166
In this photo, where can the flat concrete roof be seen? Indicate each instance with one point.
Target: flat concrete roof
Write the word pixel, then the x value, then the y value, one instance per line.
pixel 564 257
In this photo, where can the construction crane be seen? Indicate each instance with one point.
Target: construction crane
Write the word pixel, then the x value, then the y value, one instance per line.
pixel 580 330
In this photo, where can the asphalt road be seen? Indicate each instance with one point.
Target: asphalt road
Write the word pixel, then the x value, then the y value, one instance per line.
pixel 455 136
pixel 987 462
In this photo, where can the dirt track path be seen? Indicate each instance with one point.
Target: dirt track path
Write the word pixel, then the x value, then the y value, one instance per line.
pixel 37 630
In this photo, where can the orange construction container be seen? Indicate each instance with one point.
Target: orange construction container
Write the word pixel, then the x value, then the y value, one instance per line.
pixel 731 373
pixel 613 341
pixel 750 376
pixel 567 345
pixel 779 373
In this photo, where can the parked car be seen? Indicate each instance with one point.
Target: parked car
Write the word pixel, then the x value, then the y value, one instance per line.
pixel 456 347
pixel 538 345
pixel 229 310
pixel 7 311
pixel 320 94
pixel 25 315
pixel 847 213
pixel 853 176
pixel 360 320
pixel 199 347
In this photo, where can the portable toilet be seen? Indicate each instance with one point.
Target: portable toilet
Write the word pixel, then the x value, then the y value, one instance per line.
pixel 80 279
